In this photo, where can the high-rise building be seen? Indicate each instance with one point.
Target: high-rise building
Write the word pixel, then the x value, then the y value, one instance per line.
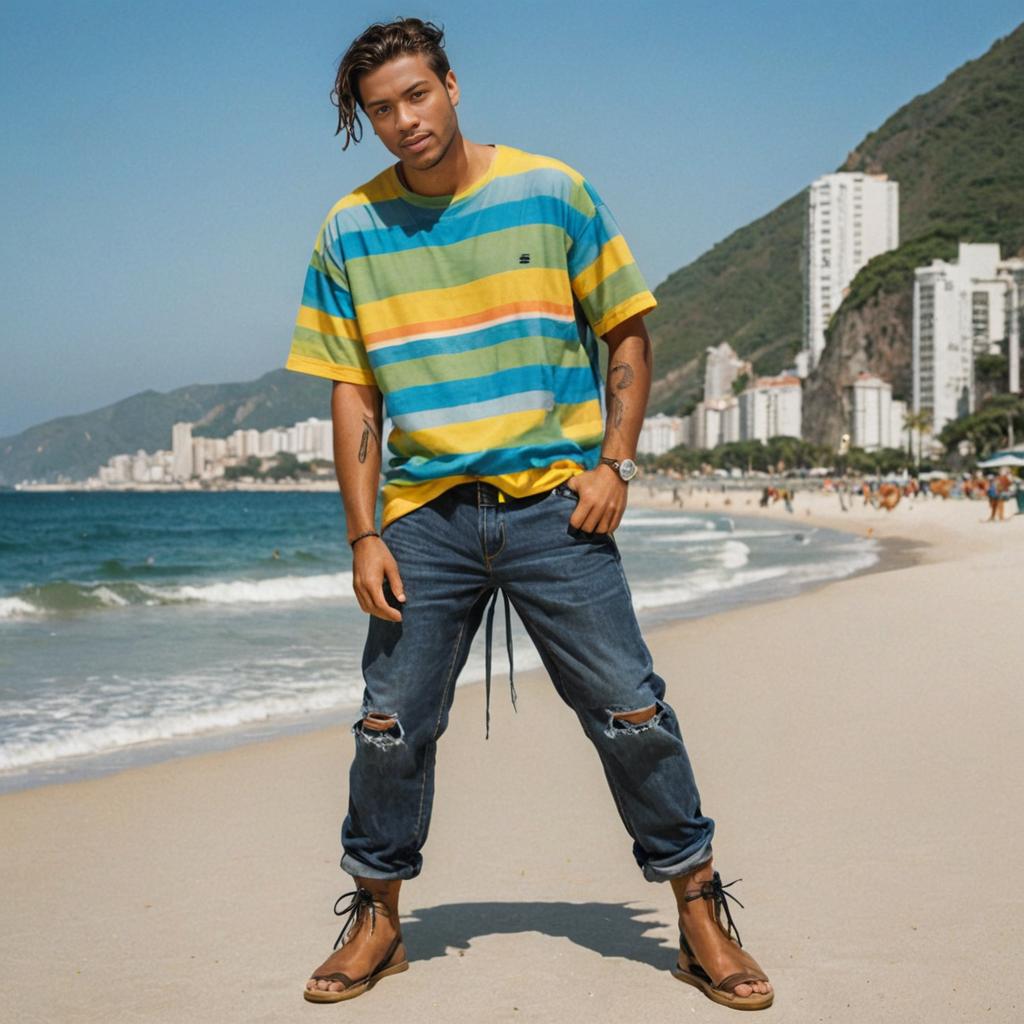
pixel 851 218
pixel 876 420
pixel 1011 272
pixel 712 423
pixel 181 446
pixel 771 407
pixel 660 434
pixel 721 370
pixel 960 312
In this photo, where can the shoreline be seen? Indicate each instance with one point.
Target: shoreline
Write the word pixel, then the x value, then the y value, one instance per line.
pixel 893 553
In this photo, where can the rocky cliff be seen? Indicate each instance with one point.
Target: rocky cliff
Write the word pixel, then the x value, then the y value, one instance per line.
pixel 874 338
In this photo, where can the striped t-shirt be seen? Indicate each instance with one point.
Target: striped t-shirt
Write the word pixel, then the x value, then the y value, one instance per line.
pixel 475 315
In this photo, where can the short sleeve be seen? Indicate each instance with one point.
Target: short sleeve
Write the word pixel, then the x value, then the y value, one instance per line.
pixel 326 341
pixel 605 278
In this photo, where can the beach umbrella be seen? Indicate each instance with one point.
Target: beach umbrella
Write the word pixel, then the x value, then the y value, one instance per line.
pixel 1003 460
pixel 1017 449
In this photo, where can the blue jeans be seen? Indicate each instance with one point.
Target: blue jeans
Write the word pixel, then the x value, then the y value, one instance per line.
pixel 570 591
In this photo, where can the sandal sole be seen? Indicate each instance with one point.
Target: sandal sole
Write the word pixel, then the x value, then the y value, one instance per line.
pixel 318 996
pixel 751 1002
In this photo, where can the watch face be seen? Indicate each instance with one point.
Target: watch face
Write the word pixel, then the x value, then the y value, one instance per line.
pixel 627 469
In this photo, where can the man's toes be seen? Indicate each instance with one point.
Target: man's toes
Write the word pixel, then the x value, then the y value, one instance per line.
pixel 335 986
pixel 742 990
pixel 311 984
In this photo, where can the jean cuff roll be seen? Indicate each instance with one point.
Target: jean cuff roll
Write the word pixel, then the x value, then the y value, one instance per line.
pixel 357 869
pixel 666 872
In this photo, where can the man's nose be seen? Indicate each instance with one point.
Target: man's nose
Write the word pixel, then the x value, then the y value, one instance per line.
pixel 406 117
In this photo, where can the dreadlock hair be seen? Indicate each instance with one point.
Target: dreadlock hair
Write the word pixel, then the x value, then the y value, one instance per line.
pixel 376 46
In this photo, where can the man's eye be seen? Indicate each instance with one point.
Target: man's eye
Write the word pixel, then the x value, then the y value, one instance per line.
pixel 379 111
pixel 418 93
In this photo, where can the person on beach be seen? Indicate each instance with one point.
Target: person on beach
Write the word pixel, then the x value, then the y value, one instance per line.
pixel 995 503
pixel 463 289
pixel 1005 485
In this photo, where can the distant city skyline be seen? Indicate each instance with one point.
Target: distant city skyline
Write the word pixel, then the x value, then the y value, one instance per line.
pixel 165 170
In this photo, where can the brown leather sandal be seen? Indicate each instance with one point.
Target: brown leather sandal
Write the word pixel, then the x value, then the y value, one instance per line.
pixel 393 962
pixel 723 991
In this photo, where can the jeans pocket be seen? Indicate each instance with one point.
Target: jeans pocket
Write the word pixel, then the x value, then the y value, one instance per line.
pixel 565 491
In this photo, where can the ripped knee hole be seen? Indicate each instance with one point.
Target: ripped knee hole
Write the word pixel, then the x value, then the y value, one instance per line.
pixel 636 717
pixel 379 722
pixel 380 729
pixel 626 723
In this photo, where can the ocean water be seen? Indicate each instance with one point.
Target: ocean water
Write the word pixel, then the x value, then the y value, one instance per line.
pixel 135 626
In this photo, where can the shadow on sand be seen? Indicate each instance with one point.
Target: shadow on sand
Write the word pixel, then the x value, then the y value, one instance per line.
pixel 611 929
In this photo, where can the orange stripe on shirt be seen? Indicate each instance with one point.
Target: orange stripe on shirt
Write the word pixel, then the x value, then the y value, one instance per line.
pixel 409 332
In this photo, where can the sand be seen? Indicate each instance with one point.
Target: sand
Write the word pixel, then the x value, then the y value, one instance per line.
pixel 859 747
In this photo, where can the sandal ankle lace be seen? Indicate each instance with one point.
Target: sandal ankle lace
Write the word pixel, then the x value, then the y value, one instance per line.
pixel 715 890
pixel 360 898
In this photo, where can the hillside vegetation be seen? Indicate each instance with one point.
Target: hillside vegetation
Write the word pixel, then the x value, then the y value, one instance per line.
pixel 958 155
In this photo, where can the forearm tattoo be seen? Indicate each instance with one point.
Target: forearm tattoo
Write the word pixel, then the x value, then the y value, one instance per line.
pixel 625 375
pixel 369 430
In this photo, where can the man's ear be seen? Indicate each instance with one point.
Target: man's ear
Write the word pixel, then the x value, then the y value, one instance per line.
pixel 452 85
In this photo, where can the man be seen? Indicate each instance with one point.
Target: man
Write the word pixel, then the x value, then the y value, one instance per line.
pixel 462 288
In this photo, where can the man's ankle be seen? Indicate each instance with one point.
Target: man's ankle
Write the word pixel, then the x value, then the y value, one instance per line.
pixel 693 880
pixel 385 898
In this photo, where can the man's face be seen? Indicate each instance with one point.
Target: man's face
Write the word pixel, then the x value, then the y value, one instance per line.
pixel 412 111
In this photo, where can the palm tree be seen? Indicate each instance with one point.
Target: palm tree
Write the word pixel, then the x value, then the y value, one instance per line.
pixel 921 421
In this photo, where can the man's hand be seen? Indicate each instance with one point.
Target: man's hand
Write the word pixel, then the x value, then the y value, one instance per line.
pixel 372 563
pixel 603 496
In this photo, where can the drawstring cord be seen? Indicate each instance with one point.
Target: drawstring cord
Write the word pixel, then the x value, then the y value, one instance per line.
pixel 488 644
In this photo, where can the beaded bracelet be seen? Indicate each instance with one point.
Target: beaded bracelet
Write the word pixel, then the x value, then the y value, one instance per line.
pixel 368 533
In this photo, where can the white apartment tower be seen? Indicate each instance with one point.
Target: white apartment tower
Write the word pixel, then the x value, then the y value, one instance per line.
pixel 181 446
pixel 851 218
pixel 771 407
pixel 660 434
pixel 721 369
pixel 961 310
pixel 876 420
pixel 1011 273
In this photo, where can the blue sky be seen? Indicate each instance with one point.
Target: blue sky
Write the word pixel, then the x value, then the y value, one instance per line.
pixel 164 167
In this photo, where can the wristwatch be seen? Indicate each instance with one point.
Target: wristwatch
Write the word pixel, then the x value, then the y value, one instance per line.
pixel 626 468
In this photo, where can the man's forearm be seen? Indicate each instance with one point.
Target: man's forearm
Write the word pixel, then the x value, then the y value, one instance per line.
pixel 627 388
pixel 356 415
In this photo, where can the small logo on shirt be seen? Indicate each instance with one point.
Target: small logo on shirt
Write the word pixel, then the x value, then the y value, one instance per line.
pixel 524 257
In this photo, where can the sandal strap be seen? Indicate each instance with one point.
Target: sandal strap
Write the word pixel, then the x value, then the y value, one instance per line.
pixel 348 982
pixel 334 976
pixel 729 983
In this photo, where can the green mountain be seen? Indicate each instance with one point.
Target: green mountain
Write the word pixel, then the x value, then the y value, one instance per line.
pixel 958 155
pixel 74 447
